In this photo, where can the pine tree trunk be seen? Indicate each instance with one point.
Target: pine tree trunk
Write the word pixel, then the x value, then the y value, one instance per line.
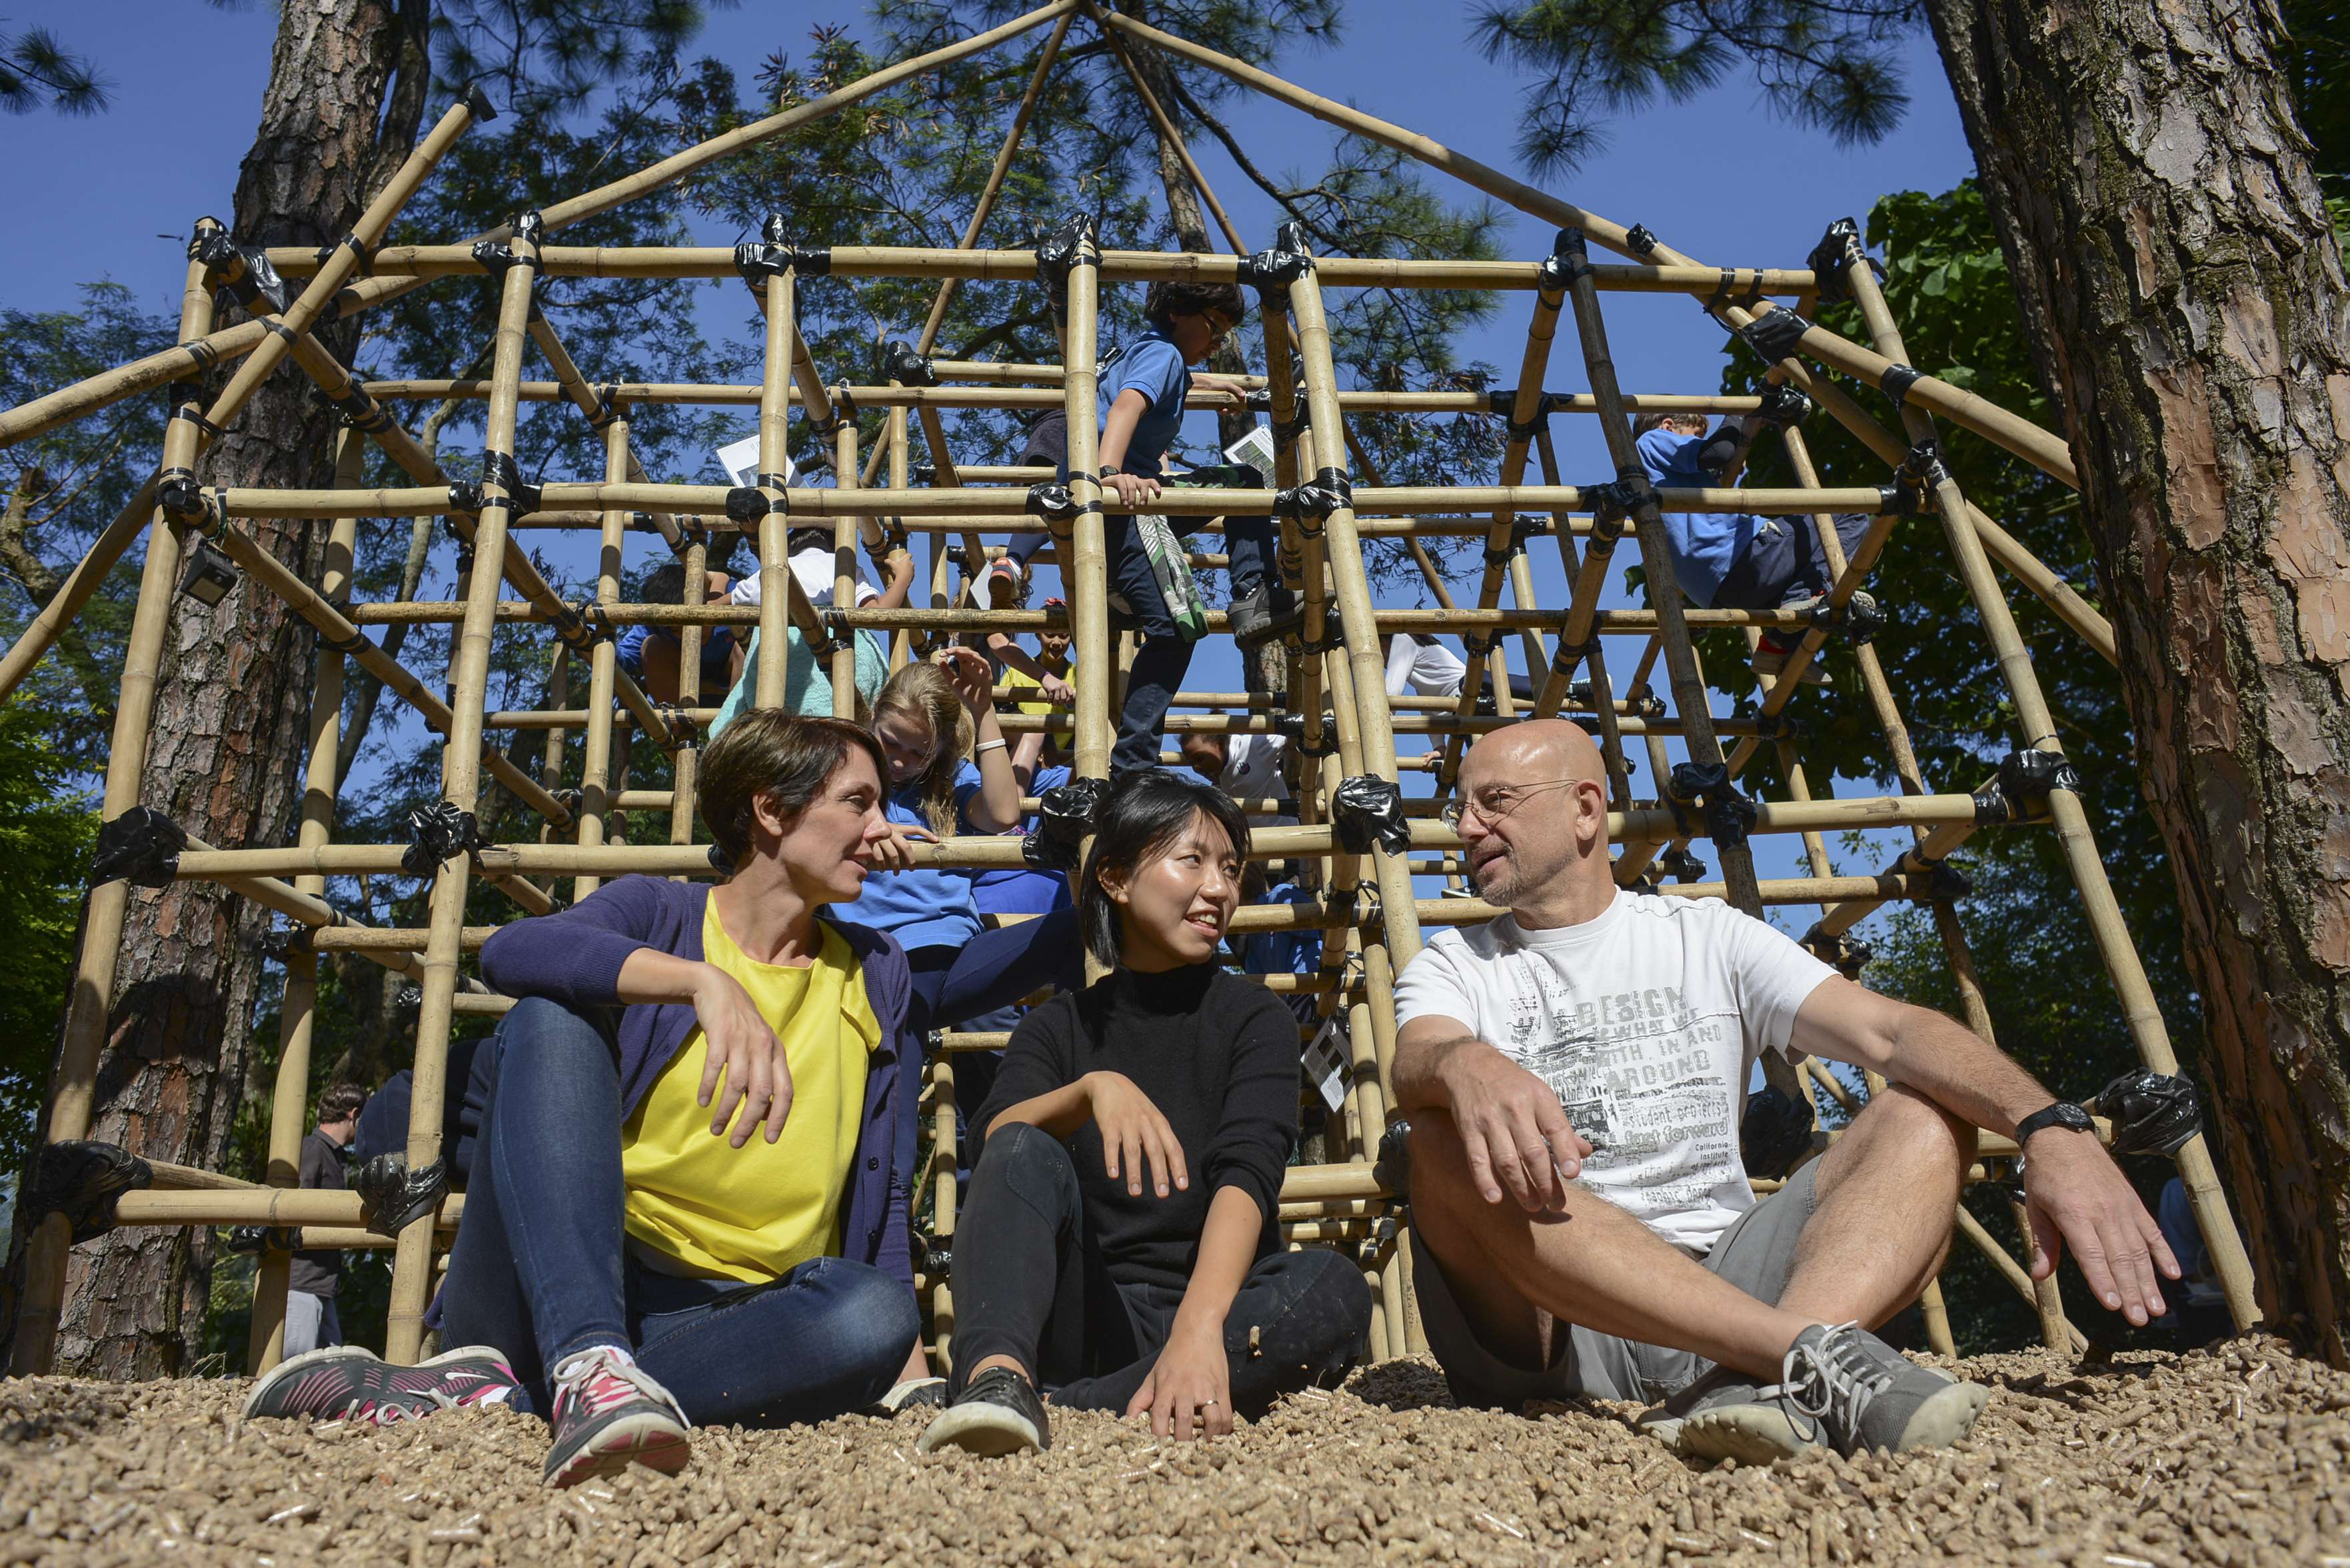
pixel 2183 291
pixel 233 690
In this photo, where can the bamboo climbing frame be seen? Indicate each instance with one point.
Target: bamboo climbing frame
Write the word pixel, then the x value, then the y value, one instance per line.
pixel 1370 911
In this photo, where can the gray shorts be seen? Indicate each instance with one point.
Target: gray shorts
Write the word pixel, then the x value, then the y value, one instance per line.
pixel 1757 1255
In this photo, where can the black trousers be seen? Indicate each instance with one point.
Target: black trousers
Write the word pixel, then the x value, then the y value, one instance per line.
pixel 1028 1284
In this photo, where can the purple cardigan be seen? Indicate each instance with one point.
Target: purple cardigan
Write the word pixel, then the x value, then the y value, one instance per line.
pixel 574 959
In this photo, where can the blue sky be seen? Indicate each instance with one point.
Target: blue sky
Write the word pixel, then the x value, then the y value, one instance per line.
pixel 1719 177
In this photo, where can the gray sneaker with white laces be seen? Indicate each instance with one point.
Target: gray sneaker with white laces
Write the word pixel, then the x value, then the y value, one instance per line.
pixel 1842 1386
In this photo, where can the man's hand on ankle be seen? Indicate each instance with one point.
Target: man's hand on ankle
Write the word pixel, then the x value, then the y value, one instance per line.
pixel 1515 1132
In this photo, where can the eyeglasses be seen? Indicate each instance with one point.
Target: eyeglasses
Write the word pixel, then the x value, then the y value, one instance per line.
pixel 1217 333
pixel 1495 802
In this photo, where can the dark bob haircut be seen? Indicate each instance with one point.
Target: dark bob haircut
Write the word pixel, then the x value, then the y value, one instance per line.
pixel 775 755
pixel 1163 302
pixel 1148 812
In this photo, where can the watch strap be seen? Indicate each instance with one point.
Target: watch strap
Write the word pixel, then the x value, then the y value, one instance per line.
pixel 2054 1115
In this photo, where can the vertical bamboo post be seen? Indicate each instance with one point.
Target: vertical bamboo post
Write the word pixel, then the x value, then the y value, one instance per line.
pixel 289 1100
pixel 942 1203
pixel 2073 834
pixel 596 761
pixel 1089 580
pixel 844 558
pixel 412 1275
pixel 775 581
pixel 1367 667
pixel 690 638
pixel 73 1087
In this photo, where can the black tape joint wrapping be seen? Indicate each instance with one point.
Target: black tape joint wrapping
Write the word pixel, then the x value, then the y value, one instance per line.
pixel 1368 809
pixel 1328 491
pixel 1065 814
pixel 500 469
pixel 435 834
pixel 1682 866
pixel 497 255
pixel 1775 334
pixel 2152 1113
pixel 1775 1133
pixel 1062 249
pixel 1282 263
pixel 1783 405
pixel 394 1196
pixel 1730 817
pixel 142 845
pixel 907 368
pixel 1640 240
pixel 1053 503
pixel 1838 248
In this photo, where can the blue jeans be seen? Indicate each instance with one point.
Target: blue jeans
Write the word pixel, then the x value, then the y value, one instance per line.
pixel 1784 565
pixel 1159 663
pixel 541 1272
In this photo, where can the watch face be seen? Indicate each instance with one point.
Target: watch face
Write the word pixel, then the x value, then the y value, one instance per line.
pixel 2074 1116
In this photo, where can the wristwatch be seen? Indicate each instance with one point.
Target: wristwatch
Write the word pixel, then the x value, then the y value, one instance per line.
pixel 1109 468
pixel 2062 1114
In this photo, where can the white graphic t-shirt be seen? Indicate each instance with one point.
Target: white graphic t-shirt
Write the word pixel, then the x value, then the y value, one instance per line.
pixel 1647 1022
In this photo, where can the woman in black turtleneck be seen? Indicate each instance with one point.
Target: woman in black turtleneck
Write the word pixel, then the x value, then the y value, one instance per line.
pixel 1119 1249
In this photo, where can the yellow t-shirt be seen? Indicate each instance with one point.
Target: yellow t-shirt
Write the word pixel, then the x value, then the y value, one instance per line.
pixel 705 1208
pixel 1019 678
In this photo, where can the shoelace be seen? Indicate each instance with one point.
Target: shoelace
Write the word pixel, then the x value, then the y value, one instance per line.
pixel 599 1384
pixel 1833 1375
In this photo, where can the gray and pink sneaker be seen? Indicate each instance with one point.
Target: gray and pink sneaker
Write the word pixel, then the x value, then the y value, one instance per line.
pixel 608 1414
pixel 345 1383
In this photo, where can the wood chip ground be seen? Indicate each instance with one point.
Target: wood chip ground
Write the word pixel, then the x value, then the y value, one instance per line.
pixel 2236 1455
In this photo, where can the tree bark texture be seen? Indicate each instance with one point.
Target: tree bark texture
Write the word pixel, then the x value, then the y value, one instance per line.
pixel 234 692
pixel 2183 291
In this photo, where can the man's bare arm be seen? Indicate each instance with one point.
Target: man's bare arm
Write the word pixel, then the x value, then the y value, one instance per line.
pixel 1516 1133
pixel 2075 1192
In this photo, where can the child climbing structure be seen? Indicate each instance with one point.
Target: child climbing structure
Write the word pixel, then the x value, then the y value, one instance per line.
pixel 1371 843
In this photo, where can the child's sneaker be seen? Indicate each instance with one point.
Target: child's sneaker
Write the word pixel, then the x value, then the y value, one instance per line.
pixel 345 1383
pixel 997 1413
pixel 610 1414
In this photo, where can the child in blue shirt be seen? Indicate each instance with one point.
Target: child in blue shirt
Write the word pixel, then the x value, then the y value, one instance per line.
pixel 1735 560
pixel 1140 399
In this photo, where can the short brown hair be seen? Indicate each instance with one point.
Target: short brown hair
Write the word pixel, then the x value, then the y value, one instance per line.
pixel 340 1101
pixel 1646 423
pixel 1166 301
pixel 781 758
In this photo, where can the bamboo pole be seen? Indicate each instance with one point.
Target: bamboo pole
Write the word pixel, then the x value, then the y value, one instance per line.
pixel 1089 588
pixel 844 561
pixel 73 1084
pixel 2147 1031
pixel 297 1009
pixel 603 662
pixel 412 1266
pixel 1170 136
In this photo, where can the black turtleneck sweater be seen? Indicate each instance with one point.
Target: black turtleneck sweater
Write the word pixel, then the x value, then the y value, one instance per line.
pixel 1216 1054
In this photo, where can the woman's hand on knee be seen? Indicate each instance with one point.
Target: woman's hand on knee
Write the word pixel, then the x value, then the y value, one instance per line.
pixel 1132 1132
pixel 742 1051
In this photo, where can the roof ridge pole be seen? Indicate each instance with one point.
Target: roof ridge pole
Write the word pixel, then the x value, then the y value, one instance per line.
pixel 411 1273
pixel 1357 619
pixel 1164 126
pixel 171 364
pixel 73 1083
pixel 2074 834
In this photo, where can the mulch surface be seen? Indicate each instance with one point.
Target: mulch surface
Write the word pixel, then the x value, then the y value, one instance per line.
pixel 2234 1456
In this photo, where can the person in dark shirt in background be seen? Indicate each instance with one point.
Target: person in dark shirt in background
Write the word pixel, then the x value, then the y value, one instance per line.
pixel 310 1320
pixel 1119 1250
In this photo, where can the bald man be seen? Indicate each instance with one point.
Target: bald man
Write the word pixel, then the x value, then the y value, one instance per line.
pixel 1575 1072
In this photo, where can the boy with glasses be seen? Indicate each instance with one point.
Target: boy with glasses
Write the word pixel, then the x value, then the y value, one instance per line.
pixel 1140 398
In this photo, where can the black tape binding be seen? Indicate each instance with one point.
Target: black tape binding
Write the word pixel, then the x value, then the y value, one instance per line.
pixel 1859 620
pixel 771 256
pixel 81 1180
pixel 1783 405
pixel 142 846
pixel 1641 240
pixel 1568 262
pixel 1730 817
pixel 477 104
pixel 242 270
pixel 1775 1133
pixel 2152 1113
pixel 1071 244
pixel 392 1197
pixel 1896 381
pixel 900 364
pixel 363 254
pixel 844 412
pixel 1839 246
pixel 1368 809
pixel 1313 502
pixel 347 645
pixel 497 256
pixel 1904 494
pixel 2020 791
pixel 1841 950
pixel 1682 866
pixel 1065 814
pixel 464 497
pixel 435 834
pixel 1727 293
pixel 1055 502
pixel 500 469
pixel 1282 263
pixel 358 411
pixel 1775 334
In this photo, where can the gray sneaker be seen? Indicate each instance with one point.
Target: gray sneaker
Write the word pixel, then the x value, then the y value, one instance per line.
pixel 1839 1385
pixel 1724 1388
